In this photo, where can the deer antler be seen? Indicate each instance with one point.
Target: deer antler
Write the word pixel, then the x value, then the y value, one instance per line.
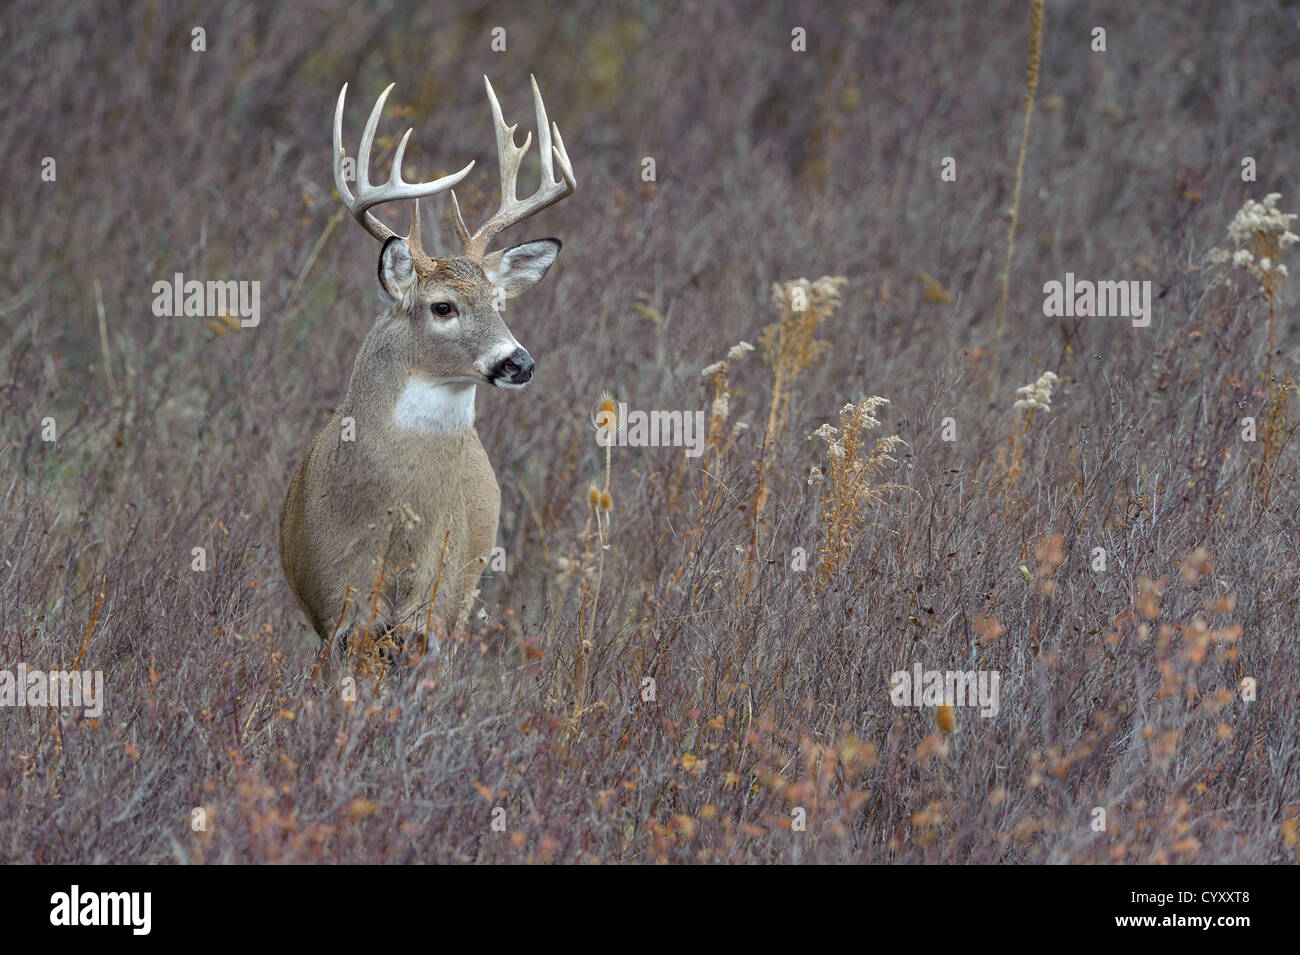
pixel 509 156
pixel 368 196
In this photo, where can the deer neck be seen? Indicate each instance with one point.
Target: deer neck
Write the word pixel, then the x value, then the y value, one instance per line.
pixel 434 407
pixel 389 394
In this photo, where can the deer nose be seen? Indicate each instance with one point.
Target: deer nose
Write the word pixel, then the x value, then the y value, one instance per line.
pixel 518 368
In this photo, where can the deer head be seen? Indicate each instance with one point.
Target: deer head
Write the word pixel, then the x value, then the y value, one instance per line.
pixel 444 318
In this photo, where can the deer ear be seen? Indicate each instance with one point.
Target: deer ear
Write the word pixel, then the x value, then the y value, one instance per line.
pixel 396 269
pixel 519 268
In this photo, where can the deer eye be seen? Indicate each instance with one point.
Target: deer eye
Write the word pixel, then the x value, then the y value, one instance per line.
pixel 443 309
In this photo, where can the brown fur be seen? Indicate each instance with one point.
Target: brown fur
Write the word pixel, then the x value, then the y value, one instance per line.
pixel 391 498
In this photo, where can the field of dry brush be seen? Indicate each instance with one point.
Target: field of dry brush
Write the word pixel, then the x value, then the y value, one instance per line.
pixel 693 663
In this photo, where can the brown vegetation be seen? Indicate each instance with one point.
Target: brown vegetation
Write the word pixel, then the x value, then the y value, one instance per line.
pixel 1121 688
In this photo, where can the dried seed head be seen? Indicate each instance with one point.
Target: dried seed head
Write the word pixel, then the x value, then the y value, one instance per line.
pixel 1038 395
pixel 943 715
pixel 605 417
pixel 593 496
pixel 606 502
pixel 739 350
pixel 721 407
pixel 1260 234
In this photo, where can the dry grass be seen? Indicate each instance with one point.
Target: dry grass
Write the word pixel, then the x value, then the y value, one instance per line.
pixel 1033 59
pixel 657 679
pixel 849 485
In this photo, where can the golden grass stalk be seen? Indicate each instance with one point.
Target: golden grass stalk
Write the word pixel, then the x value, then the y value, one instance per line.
pixel 1031 91
pixel 433 598
pixel 790 349
pixel 1036 396
pixel 716 374
pixel 848 486
pixel 1260 234
pixel 600 503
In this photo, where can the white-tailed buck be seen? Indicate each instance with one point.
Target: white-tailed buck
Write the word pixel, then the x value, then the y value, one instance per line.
pixel 392 513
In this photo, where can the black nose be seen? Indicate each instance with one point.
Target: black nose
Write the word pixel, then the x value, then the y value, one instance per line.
pixel 518 368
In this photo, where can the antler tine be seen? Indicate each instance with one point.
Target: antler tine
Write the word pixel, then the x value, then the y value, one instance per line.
pixel 340 183
pixel 368 195
pixel 368 140
pixel 562 155
pixel 509 156
pixel 544 131
pixel 512 210
pixel 544 128
pixel 413 240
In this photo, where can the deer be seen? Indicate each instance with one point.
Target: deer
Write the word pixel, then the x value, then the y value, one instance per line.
pixel 392 513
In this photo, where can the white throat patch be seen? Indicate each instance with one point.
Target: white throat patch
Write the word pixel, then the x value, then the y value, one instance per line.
pixel 435 408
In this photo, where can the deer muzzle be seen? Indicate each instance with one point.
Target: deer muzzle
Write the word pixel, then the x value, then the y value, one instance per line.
pixel 515 369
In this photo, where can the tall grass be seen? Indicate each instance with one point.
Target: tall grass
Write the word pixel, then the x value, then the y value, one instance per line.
pixel 671 669
pixel 1013 216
